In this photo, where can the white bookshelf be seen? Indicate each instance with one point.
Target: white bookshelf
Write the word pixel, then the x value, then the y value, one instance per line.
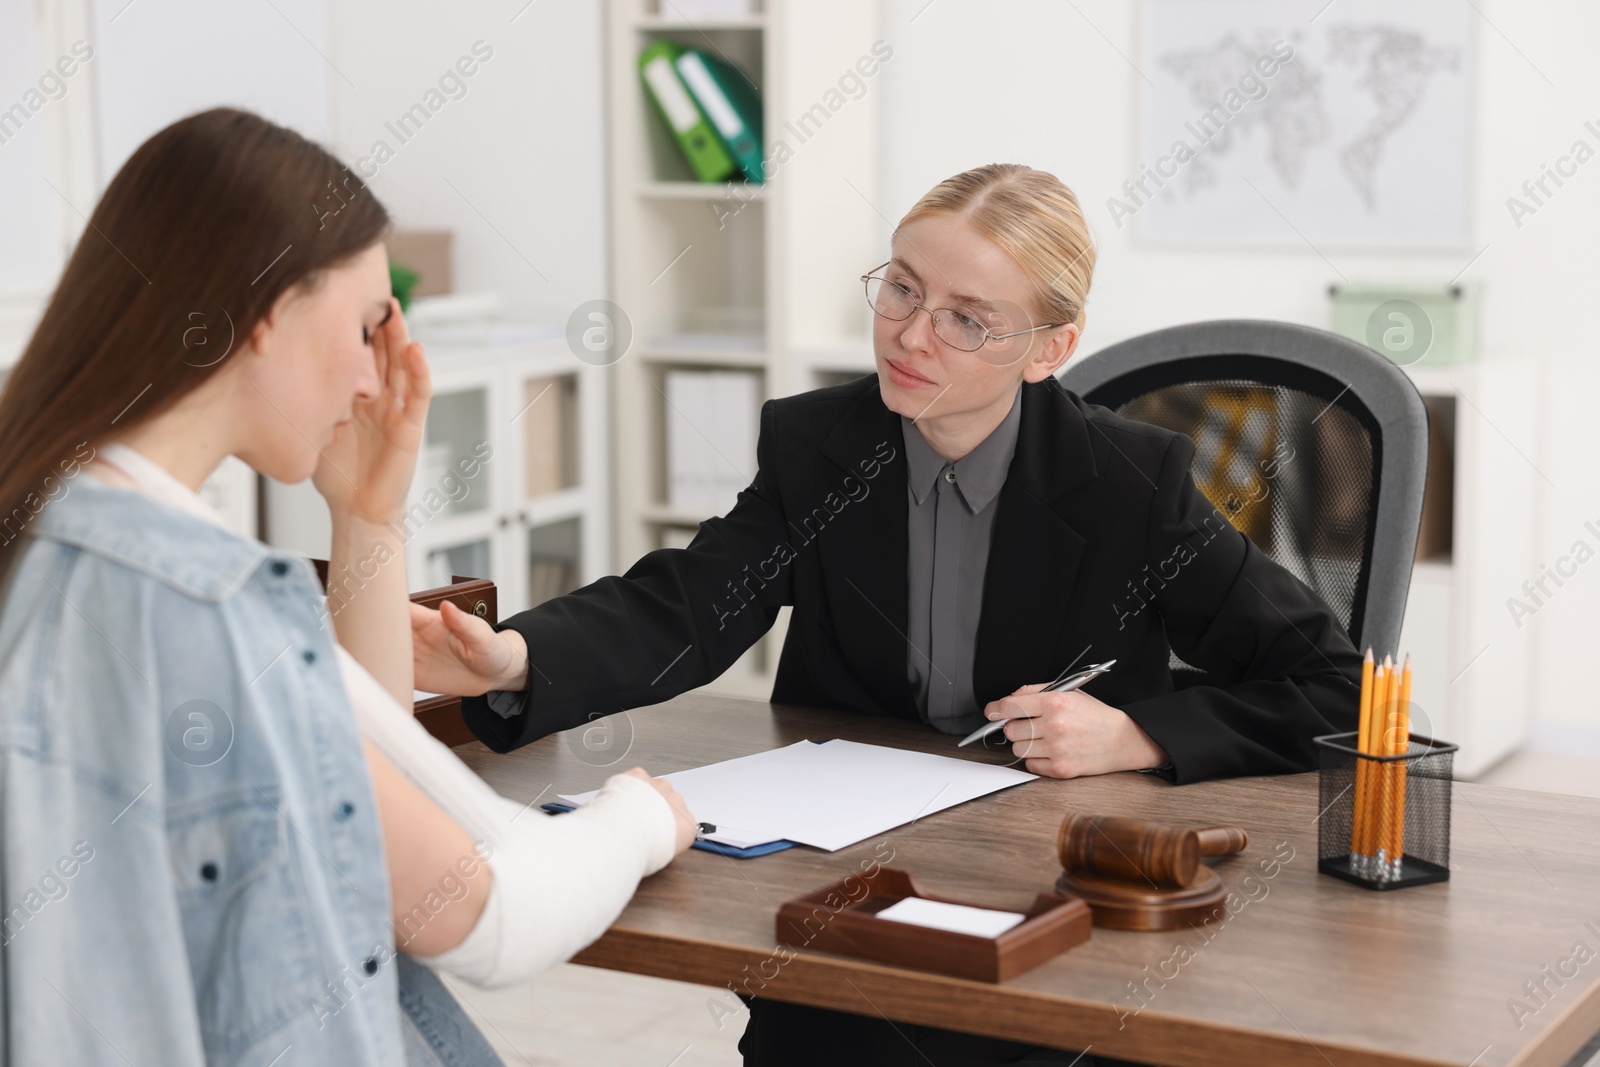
pixel 760 278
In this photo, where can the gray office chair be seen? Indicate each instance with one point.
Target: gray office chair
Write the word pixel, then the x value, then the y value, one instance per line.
pixel 1312 444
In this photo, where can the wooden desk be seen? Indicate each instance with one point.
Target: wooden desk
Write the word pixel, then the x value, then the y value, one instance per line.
pixel 1308 970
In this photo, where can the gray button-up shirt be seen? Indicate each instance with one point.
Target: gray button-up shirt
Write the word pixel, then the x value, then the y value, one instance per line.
pixel 952 509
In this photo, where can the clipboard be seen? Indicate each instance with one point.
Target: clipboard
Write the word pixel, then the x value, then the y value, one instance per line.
pixel 764 849
pixel 826 794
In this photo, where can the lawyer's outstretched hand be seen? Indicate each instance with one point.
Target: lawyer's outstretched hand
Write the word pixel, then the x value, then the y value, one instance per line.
pixel 458 653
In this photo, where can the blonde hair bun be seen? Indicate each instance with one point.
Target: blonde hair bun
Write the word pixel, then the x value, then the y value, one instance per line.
pixel 1034 218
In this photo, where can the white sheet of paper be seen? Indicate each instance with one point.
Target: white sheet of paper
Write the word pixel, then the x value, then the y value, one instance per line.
pixel 958 918
pixel 830 795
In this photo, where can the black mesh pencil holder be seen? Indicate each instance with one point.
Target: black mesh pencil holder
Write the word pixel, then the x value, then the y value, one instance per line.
pixel 1380 851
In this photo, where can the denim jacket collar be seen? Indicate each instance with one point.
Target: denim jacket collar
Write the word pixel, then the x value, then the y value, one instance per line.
pixel 190 553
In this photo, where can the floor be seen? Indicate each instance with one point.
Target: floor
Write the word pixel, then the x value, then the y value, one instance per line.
pixel 581 1017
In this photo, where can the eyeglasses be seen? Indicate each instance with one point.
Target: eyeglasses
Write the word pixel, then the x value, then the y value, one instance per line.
pixel 959 329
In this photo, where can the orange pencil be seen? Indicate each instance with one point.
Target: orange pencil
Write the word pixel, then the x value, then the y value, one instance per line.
pixel 1401 747
pixel 1388 747
pixel 1364 736
pixel 1370 805
pixel 1364 815
pixel 1383 704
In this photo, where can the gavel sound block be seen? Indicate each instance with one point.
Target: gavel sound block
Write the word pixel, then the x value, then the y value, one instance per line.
pixel 1140 875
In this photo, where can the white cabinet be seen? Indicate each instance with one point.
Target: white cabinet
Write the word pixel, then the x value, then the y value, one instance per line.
pixel 511 479
pixel 1472 666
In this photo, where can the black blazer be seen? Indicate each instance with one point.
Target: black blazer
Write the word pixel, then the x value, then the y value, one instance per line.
pixel 1102 548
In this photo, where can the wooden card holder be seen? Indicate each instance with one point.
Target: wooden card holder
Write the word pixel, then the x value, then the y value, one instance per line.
pixel 1140 875
pixel 441 715
pixel 842 918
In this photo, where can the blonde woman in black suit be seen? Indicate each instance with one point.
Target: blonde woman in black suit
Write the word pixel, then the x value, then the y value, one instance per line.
pixel 950 532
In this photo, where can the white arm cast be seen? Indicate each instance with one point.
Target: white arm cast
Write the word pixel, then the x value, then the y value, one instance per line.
pixel 558 881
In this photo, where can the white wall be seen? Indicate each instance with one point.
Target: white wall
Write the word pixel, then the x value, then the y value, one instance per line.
pixel 510 158
pixel 160 62
pixel 149 65
pixel 515 166
pixel 31 229
pixel 1035 81
pixel 47 167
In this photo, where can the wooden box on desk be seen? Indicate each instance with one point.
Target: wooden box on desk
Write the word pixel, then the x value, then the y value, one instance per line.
pixel 441 715
pixel 1052 925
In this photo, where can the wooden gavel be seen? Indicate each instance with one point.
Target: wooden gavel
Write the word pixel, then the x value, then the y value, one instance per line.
pixel 1142 851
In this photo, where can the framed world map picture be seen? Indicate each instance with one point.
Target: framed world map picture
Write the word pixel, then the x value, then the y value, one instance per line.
pixel 1296 122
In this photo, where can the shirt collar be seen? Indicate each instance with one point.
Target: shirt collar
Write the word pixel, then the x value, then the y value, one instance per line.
pixel 156 533
pixel 980 474
pixel 158 481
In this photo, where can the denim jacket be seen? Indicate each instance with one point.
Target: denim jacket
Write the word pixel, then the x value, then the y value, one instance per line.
pixel 192 869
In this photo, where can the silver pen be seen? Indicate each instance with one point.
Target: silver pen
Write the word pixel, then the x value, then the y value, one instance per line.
pixel 1063 684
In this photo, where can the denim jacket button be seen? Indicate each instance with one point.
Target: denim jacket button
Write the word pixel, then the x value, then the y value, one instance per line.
pixel 370 966
pixel 344 810
pixel 279 568
pixel 309 656
pixel 208 871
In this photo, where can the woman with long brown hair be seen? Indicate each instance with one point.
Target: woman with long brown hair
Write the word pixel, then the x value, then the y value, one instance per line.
pixel 219 825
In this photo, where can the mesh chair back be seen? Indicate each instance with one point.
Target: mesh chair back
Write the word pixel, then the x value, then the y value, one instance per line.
pixel 1312 445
